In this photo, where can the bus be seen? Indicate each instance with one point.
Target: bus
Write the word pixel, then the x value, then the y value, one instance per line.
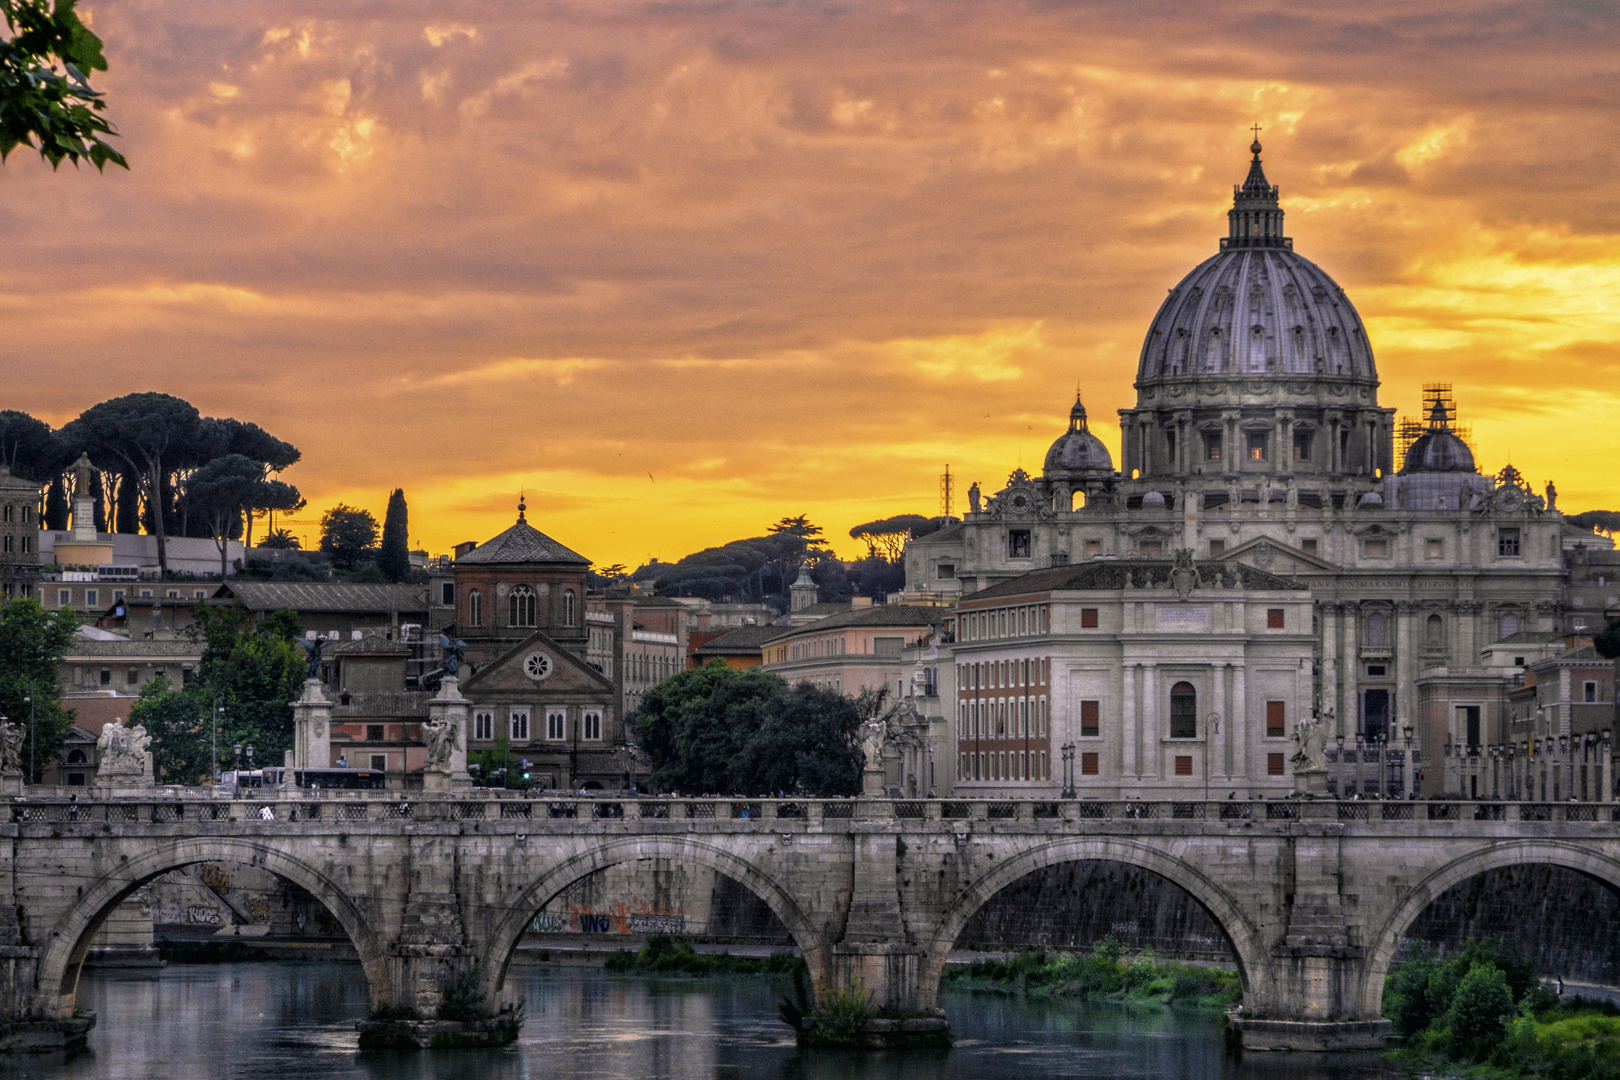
pixel 350 779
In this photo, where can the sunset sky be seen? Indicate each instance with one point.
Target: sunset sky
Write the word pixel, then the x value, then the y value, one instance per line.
pixel 679 269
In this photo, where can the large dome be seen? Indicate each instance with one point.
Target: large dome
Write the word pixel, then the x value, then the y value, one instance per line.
pixel 1257 308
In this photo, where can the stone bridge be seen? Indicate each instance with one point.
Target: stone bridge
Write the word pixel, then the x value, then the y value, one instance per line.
pixel 1314 896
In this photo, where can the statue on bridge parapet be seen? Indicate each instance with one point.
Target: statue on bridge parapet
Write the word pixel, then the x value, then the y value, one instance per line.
pixel 442 737
pixel 1310 759
pixel 122 756
pixel 11 774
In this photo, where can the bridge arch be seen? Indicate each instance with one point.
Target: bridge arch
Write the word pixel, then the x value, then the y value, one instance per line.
pixel 1496 855
pixel 514 918
pixel 1242 933
pixel 68 941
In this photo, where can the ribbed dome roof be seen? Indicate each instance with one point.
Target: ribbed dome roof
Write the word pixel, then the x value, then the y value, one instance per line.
pixel 1439 449
pixel 1078 450
pixel 1257 307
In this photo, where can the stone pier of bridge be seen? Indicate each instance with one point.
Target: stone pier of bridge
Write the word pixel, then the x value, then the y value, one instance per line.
pixel 1313 896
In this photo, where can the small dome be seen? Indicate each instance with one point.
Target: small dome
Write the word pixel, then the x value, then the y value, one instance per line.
pixel 1439 451
pixel 1077 450
pixel 1153 498
pixel 1371 498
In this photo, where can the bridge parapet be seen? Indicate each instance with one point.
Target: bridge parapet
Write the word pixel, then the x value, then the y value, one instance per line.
pixel 1313 894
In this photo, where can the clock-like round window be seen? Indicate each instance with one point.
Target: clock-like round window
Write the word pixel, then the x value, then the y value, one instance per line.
pixel 538 665
pixel 1020 502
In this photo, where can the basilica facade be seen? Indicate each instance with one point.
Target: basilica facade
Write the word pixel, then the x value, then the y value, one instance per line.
pixel 1257 441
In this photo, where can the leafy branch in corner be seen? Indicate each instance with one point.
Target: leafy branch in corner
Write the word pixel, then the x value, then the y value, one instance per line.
pixel 46 100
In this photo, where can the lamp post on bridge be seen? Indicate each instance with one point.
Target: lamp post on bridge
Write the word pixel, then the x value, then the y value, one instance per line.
pixel 1068 770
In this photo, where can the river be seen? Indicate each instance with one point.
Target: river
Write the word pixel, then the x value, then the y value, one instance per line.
pixel 285 1021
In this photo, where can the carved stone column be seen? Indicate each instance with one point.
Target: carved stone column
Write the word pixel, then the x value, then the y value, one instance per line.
pixel 1405 671
pixel 312 728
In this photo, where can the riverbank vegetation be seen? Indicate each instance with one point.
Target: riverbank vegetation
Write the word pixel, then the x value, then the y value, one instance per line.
pixel 665 954
pixel 1484 1011
pixel 1106 974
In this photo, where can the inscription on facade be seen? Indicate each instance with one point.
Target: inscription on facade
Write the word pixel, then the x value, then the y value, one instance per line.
pixel 1183 618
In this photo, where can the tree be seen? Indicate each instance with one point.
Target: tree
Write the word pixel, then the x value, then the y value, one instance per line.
pixel 716 730
pixel 258 670
pixel 98 494
pixel 348 535
pixel 801 527
pixel 180 724
pixel 1481 1002
pixel 220 492
pixel 146 434
pixel 394 558
pixel 271 496
pixel 1601 521
pixel 127 506
pixel 887 536
pixel 56 505
pixel 282 540
pixel 1608 642
pixel 45 96
pixel 32 644
pixel 28 447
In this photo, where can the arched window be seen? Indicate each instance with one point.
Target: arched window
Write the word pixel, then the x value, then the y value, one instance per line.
pixel 520 606
pixel 1508 625
pixel 568 607
pixel 475 608
pixel 76 757
pixel 1377 630
pixel 1183 711
pixel 1434 634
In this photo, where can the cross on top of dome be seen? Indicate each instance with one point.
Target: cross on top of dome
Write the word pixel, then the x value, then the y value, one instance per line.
pixel 1256 217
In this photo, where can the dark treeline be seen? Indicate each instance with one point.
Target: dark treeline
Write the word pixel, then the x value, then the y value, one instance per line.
pixel 159 466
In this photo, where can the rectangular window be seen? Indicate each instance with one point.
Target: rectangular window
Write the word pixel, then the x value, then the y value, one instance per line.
pixel 1088 618
pixel 118 596
pixel 1257 446
pixel 1153 547
pixel 106 676
pixel 1469 716
pixel 1302 446
pixel 1212 447
pixel 1183 764
pixel 1591 691
pixel 1217 547
pixel 1276 725
pixel 91 596
pixel 1017 543
pixel 1046 771
pixel 132 677
pixel 1507 543
pixel 1308 546
pixel 1375 549
pixel 592 723
pixel 447 594
pixel 1090 714
pixel 946 571
pixel 484 726
pixel 1434 549
pixel 1088 763
pixel 556 724
pixel 64 597
pixel 1274 765
pixel 1274 618
pixel 518 725
pixel 374 733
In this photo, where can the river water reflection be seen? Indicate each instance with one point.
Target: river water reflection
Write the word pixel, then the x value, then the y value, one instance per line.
pixel 286 1021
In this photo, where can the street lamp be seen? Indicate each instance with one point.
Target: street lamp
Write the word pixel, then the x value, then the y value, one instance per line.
pixel 219 699
pixel 1068 770
pixel 29 697
pixel 250 755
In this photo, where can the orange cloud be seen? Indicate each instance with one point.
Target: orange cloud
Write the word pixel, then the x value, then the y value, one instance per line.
pixel 793 258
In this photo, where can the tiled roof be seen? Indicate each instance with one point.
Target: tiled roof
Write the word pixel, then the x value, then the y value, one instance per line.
pixel 522 543
pixel 325 596
pixel 743 640
pixel 887 615
pixel 140 647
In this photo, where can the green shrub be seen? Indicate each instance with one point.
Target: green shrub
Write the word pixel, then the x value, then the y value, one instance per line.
pixel 842 1016
pixel 461 1000
pixel 1483 1000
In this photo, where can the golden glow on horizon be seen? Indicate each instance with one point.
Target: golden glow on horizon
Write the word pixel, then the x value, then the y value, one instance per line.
pixel 678 272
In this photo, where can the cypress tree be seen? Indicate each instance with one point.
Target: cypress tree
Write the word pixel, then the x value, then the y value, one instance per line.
pixel 56 505
pixel 394 559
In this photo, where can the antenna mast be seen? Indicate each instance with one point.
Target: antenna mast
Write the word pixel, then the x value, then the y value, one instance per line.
pixel 947 489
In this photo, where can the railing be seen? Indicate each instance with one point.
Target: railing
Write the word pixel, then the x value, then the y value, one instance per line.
pixel 205 811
